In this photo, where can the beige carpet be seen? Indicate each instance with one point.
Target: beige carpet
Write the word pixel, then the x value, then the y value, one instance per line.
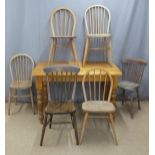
pixel 23 132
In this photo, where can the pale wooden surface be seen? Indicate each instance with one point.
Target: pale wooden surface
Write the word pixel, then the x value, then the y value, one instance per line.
pixel 39 75
pixel 63 24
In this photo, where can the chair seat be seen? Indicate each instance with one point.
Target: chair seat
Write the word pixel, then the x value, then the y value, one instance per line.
pixel 127 85
pixel 98 106
pixel 21 84
pixel 60 108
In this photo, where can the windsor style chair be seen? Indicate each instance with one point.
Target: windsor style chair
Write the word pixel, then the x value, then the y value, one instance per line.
pixel 63 24
pixel 97 94
pixel 61 84
pixel 21 66
pixel 98 37
pixel 132 73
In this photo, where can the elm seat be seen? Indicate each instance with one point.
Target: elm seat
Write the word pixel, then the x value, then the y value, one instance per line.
pixel 21 84
pixel 98 106
pixel 60 108
pixel 128 85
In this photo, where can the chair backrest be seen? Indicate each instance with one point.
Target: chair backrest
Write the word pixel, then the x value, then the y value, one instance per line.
pixel 97 84
pixel 132 70
pixel 61 82
pixel 21 66
pixel 63 22
pixel 97 20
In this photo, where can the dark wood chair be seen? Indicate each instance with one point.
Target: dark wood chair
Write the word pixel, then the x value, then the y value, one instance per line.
pixel 132 72
pixel 97 87
pixel 61 85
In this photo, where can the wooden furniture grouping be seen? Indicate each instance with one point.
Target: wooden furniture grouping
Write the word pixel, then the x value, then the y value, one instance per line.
pixel 61 85
pixel 63 24
pixel 98 37
pixel 132 73
pixel 41 85
pixel 21 66
pixel 97 87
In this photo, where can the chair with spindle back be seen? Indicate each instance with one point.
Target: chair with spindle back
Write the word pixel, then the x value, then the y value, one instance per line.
pixel 61 85
pixel 21 66
pixel 97 23
pixel 97 95
pixel 132 73
pixel 63 23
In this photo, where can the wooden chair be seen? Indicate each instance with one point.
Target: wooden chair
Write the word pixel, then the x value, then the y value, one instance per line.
pixel 132 72
pixel 61 83
pixel 97 98
pixel 63 23
pixel 21 66
pixel 98 37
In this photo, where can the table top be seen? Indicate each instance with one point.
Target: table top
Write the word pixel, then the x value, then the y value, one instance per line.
pixel 111 68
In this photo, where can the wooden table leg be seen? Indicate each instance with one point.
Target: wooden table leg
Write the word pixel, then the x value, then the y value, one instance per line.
pixel 45 93
pixel 39 85
pixel 114 93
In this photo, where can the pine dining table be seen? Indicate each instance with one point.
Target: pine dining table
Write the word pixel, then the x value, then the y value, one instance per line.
pixel 41 85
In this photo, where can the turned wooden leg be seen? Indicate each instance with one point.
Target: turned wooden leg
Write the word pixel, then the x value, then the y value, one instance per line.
pixel 39 81
pixel 75 128
pixel 32 101
pixel 50 121
pixel 86 51
pixel 45 93
pixel 111 121
pixel 123 96
pixel 83 126
pixel 74 51
pixel 138 98
pixel 9 101
pixel 43 130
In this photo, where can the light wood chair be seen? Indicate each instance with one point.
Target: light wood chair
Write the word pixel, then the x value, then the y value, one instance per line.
pixel 132 73
pixel 63 23
pixel 21 66
pixel 61 83
pixel 98 37
pixel 97 94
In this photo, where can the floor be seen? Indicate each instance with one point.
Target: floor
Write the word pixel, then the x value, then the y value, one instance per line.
pixel 23 132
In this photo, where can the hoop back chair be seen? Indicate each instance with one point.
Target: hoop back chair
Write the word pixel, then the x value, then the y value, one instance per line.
pixel 97 97
pixel 132 73
pixel 63 24
pixel 97 23
pixel 21 66
pixel 61 83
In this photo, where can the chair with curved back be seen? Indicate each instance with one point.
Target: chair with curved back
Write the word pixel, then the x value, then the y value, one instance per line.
pixel 132 73
pixel 21 66
pixel 97 87
pixel 63 24
pixel 98 37
pixel 61 84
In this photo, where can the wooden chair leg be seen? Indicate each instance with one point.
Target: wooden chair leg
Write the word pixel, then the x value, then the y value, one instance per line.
pixel 74 51
pixel 50 122
pixel 123 96
pixel 137 90
pixel 32 102
pixel 9 102
pixel 43 130
pixel 83 126
pixel 86 51
pixel 75 128
pixel 113 128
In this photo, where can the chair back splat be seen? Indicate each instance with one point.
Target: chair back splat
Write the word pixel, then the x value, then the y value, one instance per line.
pixel 21 66
pixel 99 85
pixel 61 82
pixel 132 70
